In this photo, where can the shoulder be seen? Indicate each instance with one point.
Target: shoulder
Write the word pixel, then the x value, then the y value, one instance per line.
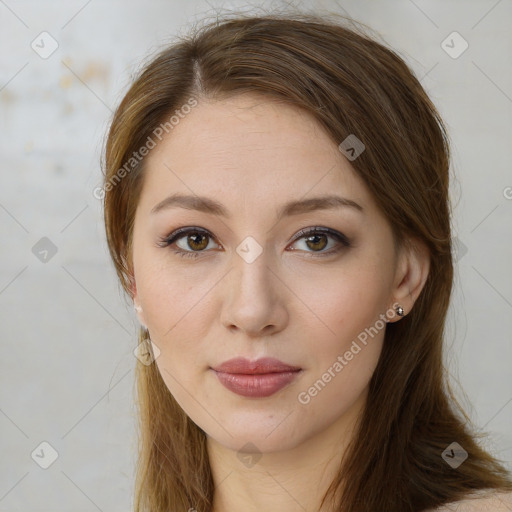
pixel 482 501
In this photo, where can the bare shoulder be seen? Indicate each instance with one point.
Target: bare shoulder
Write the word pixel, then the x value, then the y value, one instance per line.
pixel 484 501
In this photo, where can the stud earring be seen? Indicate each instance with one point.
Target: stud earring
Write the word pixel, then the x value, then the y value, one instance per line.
pixel 137 308
pixel 399 311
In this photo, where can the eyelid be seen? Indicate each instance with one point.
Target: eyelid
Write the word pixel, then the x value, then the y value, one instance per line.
pixel 180 232
pixel 325 231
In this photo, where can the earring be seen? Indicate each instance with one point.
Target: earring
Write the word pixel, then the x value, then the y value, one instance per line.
pixel 399 311
pixel 137 308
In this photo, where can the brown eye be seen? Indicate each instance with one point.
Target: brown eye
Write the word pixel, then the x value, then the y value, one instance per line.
pixel 317 242
pixel 194 241
pixel 317 239
pixel 197 241
pixel 189 242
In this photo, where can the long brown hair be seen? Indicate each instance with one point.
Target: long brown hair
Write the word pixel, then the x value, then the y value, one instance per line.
pixel 351 84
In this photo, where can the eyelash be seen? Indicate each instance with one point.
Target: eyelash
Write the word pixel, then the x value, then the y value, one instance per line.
pixel 180 233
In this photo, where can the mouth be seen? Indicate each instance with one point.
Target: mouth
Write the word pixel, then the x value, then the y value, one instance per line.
pixel 256 379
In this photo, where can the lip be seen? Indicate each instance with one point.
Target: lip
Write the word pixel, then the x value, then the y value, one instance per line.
pixel 241 365
pixel 257 379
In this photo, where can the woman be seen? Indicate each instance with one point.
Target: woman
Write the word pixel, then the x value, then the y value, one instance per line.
pixel 276 206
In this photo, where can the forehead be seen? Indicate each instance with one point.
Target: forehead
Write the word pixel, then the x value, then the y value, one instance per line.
pixel 251 151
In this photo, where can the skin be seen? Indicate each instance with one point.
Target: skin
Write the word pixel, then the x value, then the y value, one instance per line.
pixel 480 501
pixel 252 155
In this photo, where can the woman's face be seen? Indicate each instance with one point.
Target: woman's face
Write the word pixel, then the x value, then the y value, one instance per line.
pixel 247 283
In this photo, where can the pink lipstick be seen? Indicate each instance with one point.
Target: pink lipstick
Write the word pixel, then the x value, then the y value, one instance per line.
pixel 255 379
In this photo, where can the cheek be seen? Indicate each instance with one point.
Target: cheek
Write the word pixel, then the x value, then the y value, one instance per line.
pixel 343 359
pixel 179 313
pixel 341 303
pixel 345 333
pixel 171 298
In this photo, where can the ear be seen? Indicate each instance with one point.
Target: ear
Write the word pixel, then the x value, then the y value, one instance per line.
pixel 136 304
pixel 411 274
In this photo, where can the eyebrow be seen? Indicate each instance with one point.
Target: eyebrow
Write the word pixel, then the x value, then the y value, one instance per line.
pixel 213 207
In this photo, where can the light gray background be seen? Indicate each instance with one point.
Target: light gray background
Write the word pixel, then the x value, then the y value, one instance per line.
pixel 67 365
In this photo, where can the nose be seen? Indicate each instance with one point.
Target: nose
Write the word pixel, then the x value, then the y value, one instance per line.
pixel 254 298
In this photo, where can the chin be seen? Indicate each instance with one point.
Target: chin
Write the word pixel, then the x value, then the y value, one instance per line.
pixel 268 431
pixel 254 440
